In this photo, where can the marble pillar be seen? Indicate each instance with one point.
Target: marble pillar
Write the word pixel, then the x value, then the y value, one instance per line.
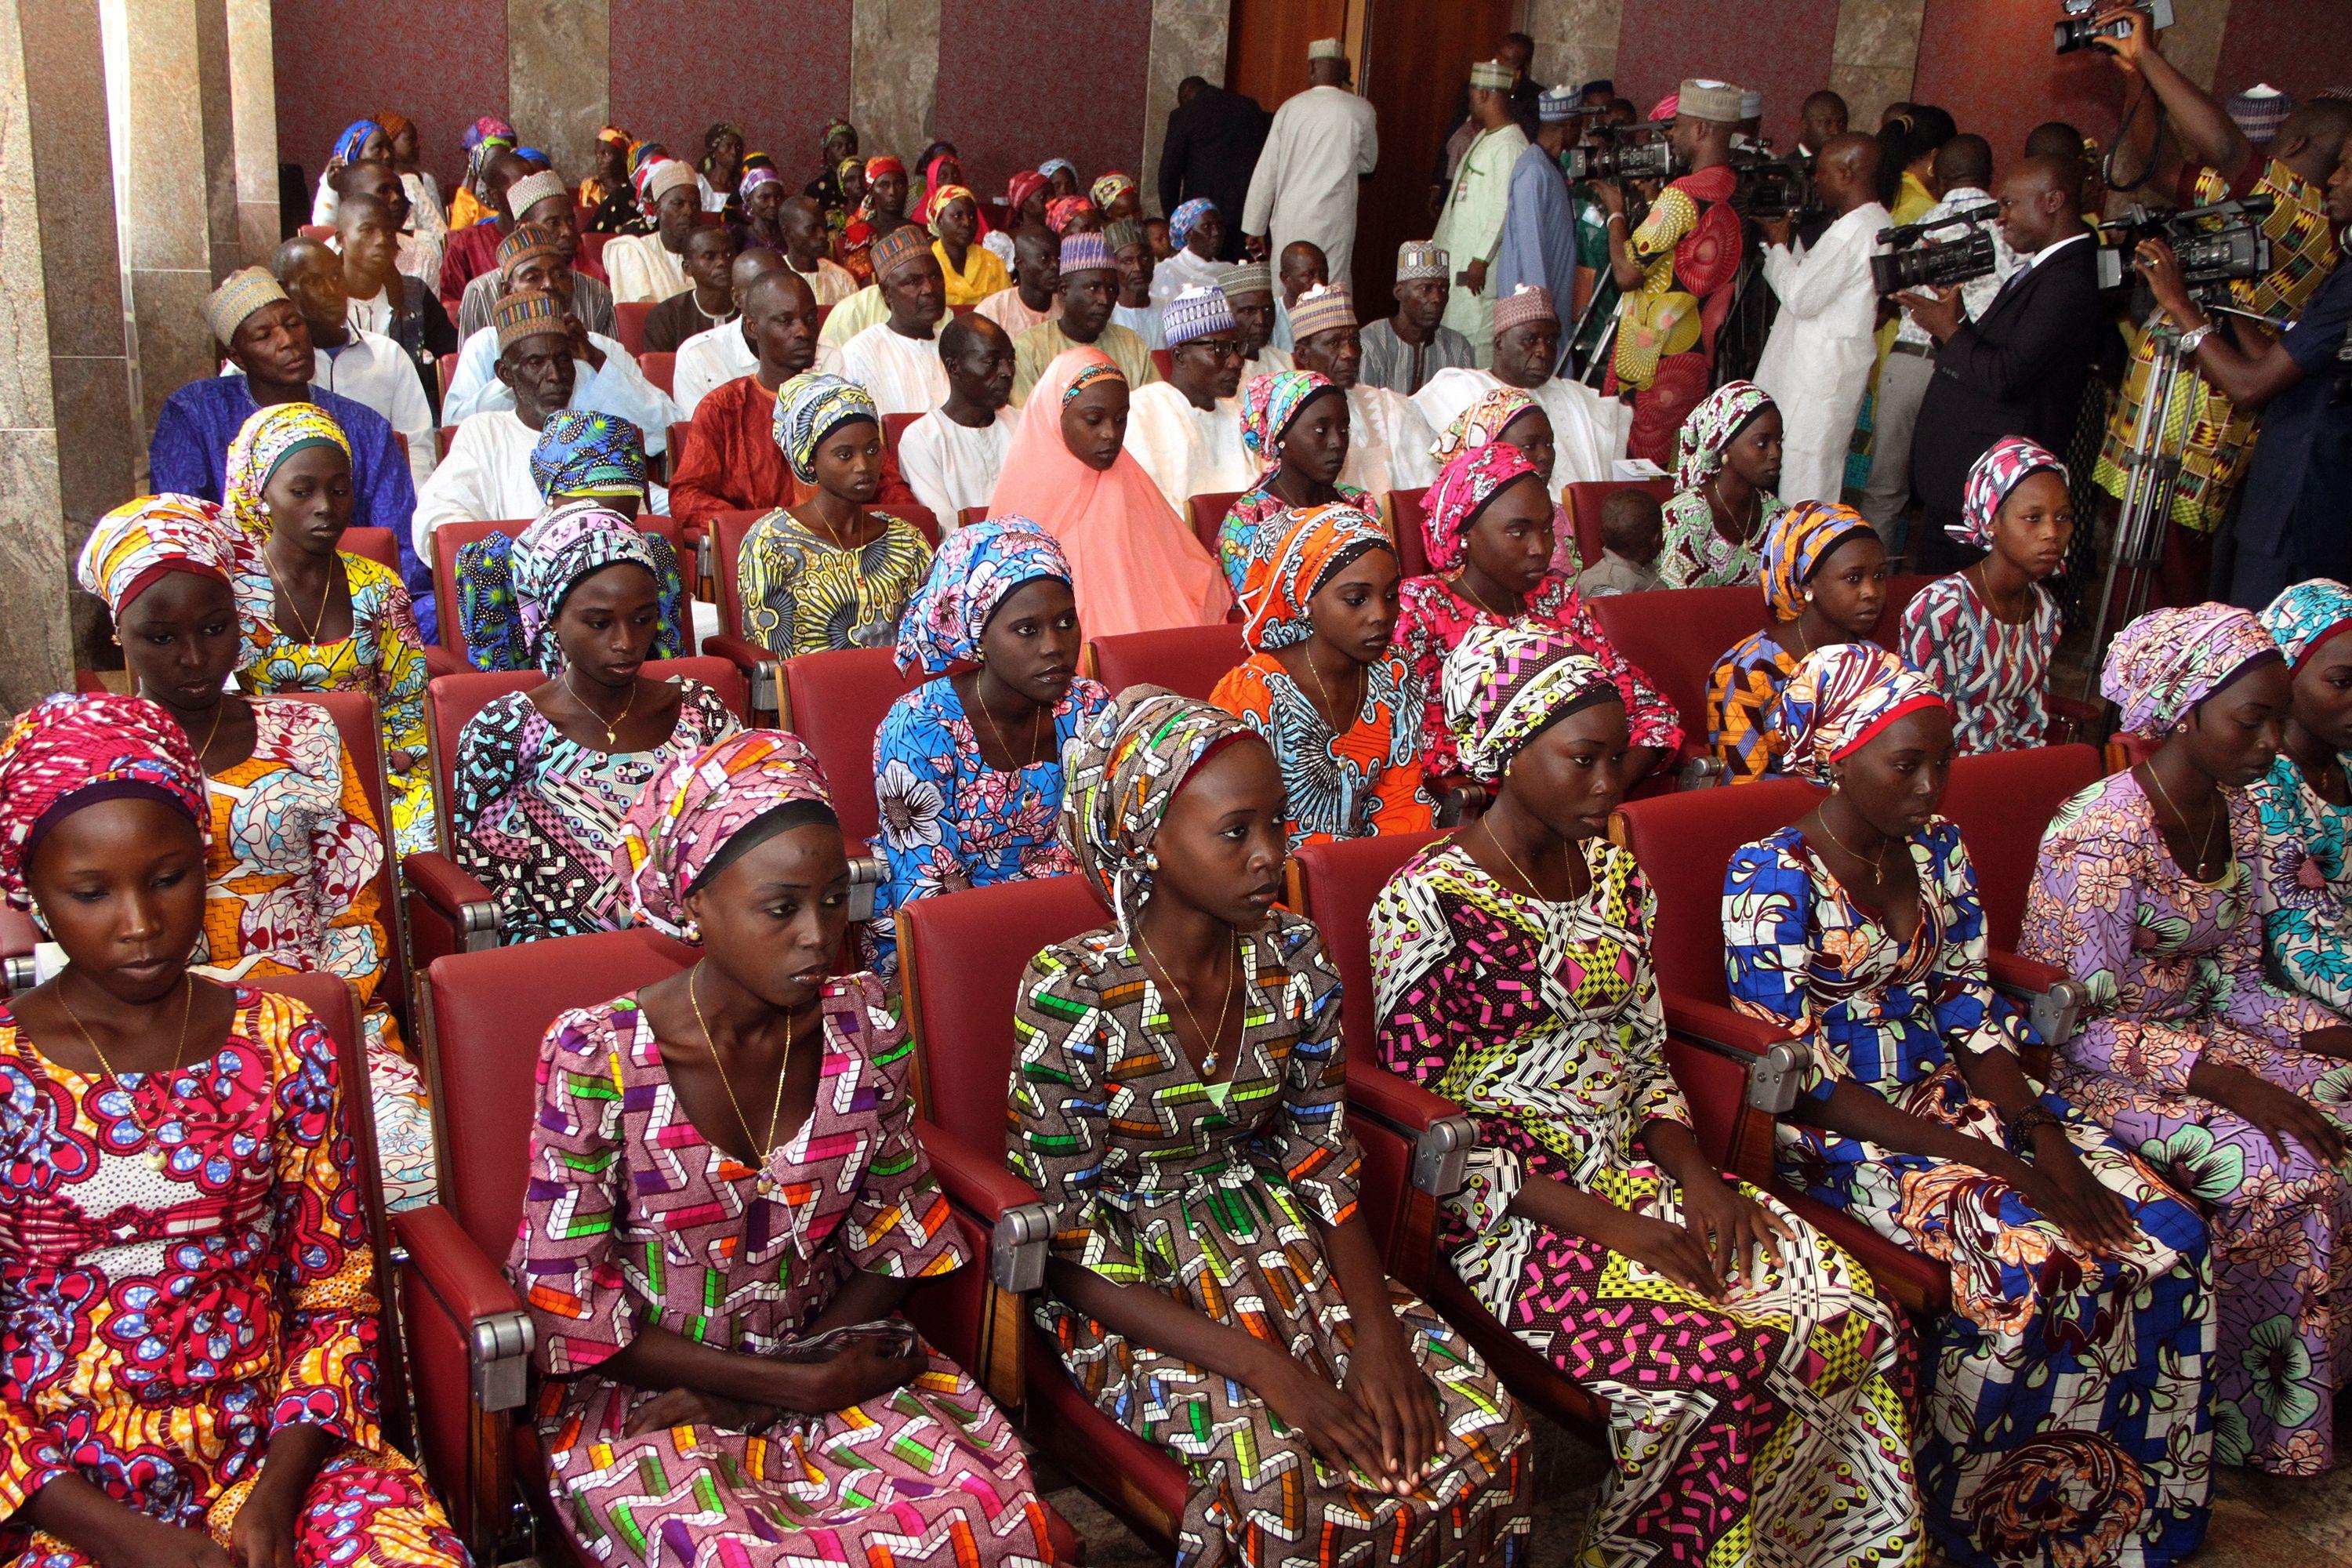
pixel 559 76
pixel 1875 55
pixel 253 119
pixel 1188 38
pixel 894 73
pixel 2193 42
pixel 1576 40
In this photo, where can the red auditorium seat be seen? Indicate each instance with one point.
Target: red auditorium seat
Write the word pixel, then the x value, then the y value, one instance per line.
pixel 661 369
pixel 447 368
pixel 2001 802
pixel 1586 500
pixel 1164 362
pixel 451 537
pixel 375 544
pixel 629 325
pixel 1902 587
pixel 1187 660
pixel 358 726
pixel 728 530
pixel 1674 635
pixel 975 944
pixel 968 515
pixel 894 429
pixel 836 700
pixel 1208 516
pixel 1408 525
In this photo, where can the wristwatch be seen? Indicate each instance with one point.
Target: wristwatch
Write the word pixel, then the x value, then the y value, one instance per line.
pixel 2193 337
pixel 2019 1129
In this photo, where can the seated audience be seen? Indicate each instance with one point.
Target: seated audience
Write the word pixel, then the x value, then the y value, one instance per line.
pixel 192 1343
pixel 1824 583
pixel 1984 637
pixel 1135 308
pixel 290 873
pixel 718 176
pixel 1323 604
pixel 896 360
pixel 1388 440
pixel 472 247
pixel 543 776
pixel 649 268
pixel 610 156
pixel 1489 526
pixel 2146 892
pixel 825 572
pixel 366 368
pixel 605 376
pixel 379 298
pixel 805 1420
pixel 1197 230
pixel 1511 974
pixel 1817 362
pixel 1633 534
pixel 1035 296
pixel 1588 431
pixel 952 456
pixel 1186 431
pixel 1211 1282
pixel 1088 286
pixel 805 248
pixel 967 765
pixel 317 618
pixel 1510 416
pixel 1296 424
pixel 361 141
pixel 970 269
pixel 1403 352
pixel 709 360
pixel 1135 565
pixel 1726 472
pixel 483 141
pixel 420 232
pixel 541 201
pixel 2304 802
pixel 710 260
pixel 1115 194
pixel 762 194
pixel 1302 266
pixel 2079 1283
pixel 1249 293
pixel 622 210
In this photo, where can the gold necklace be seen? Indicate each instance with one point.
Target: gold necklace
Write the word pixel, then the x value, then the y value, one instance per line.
pixel 1533 891
pixel 1460 582
pixel 309 628
pixel 765 1183
pixel 1746 525
pixel 156 1157
pixel 2204 844
pixel 1208 1041
pixel 1877 866
pixel 1342 722
pixel 1037 726
pixel 613 730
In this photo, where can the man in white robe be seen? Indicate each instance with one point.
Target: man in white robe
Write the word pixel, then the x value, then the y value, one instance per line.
pixel 709 360
pixel 951 456
pixel 1388 440
pixel 1186 431
pixel 1817 362
pixel 896 360
pixel 1035 298
pixel 1322 143
pixel 607 380
pixel 1470 229
pixel 1588 430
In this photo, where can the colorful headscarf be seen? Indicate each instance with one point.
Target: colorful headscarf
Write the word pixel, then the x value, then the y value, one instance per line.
pixel 1052 166
pixel 1121 770
pixel 811 406
pixel 2307 617
pixel 1186 218
pixel 1462 490
pixel 2168 661
pixel 1314 542
pixel 939 200
pixel 832 125
pixel 1502 685
pixel 1108 188
pixel 1087 374
pixel 2007 464
pixel 1269 402
pixel 488 128
pixel 977 568
pixel 1482 422
pixel 1064 211
pixel 615 136
pixel 141 540
pixel 754 177
pixel 582 453
pixel 882 164
pixel 1838 699
pixel 102 747
pixel 685 815
pixel 1020 188
pixel 560 548
pixel 354 137
pixel 394 124
pixel 643 155
pixel 1698 450
pixel 269 436
pixel 1794 545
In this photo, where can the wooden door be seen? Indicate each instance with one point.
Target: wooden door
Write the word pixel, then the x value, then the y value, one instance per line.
pixel 1266 50
pixel 1414 62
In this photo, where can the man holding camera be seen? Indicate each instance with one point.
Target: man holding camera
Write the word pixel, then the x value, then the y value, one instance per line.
pixel 1686 251
pixel 2214 162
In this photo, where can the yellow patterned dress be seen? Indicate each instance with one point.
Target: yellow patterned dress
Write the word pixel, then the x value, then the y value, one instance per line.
pixel 801 593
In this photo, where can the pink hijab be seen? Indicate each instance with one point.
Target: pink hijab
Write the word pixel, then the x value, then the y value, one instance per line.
pixel 1135 564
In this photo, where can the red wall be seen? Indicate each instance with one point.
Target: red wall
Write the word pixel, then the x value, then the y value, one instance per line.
pixel 1021 82
pixel 2300 46
pixel 2005 81
pixel 682 65
pixel 1782 50
pixel 340 60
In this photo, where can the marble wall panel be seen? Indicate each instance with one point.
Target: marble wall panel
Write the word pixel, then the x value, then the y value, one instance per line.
pixel 894 77
pixel 1189 37
pixel 1876 56
pixel 559 76
pixel 253 110
pixel 1576 40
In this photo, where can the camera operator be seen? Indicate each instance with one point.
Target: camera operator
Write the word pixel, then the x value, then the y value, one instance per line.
pixel 1592 228
pixel 2214 162
pixel 1964 174
pixel 1816 363
pixel 1691 229
pixel 2289 524
pixel 2018 368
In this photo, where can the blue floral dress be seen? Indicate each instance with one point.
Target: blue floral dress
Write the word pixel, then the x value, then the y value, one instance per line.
pixel 2305 892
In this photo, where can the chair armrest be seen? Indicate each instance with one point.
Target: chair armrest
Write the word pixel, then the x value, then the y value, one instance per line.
pixel 2053 1000
pixel 1442 1137
pixel 1772 1058
pixel 440 661
pixel 455 896
pixel 758 665
pixel 472 1289
pixel 865 875
pixel 2075 718
pixel 1699 773
pixel 1016 1249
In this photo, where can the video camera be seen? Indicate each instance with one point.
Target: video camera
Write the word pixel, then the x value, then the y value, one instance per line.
pixel 1915 262
pixel 2080 29
pixel 2215 244
pixel 1622 152
pixel 1771 187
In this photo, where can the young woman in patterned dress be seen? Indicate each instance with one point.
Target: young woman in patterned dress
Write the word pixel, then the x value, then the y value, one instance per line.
pixel 2304 801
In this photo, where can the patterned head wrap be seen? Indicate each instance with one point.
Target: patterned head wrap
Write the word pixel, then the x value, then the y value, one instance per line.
pixel 902 246
pixel 1504 685
pixel 395 125
pixel 1326 306
pixel 71 750
pixel 1064 211
pixel 682 819
pixel 643 156
pixel 2168 661
pixel 2007 464
pixel 1839 697
pixel 137 542
pixel 1796 544
pixel 833 125
pixel 1109 188
pixel 976 569
pixel 528 314
pixel 1195 313
pixel 1698 450
pixel 1482 422
pixel 811 406
pixel 882 164
pixel 2307 617
pixel 1666 108
pixel 941 197
pixel 489 128
pixel 615 136
pixel 756 175
pixel 1052 166
pixel 1246 278
pixel 543 185
pixel 847 167
pixel 1316 542
pixel 1463 488
pixel 1121 770
pixel 240 294
pixel 1421 259
pixel 1527 303
pixel 267 439
pixel 354 137
pixel 1021 188
pixel 560 548
pixel 1186 218
pixel 1093 370
pixel 527 242
pixel 584 454
pixel 1269 402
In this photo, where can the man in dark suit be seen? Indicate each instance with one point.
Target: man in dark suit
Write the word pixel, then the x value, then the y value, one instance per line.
pixel 1214 140
pixel 2019 370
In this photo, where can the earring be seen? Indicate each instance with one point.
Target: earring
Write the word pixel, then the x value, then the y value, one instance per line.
pixel 267 511
pixel 1151 861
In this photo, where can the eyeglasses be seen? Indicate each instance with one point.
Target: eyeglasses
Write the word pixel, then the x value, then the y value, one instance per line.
pixel 1216 348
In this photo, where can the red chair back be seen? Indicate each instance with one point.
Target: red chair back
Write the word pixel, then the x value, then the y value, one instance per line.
pixel 375 544
pixel 451 537
pixel 894 426
pixel 1208 517
pixel 677 434
pixel 1683 842
pixel 1164 362
pixel 1187 660
pixel 318 231
pixel 1408 526
pixel 2001 802
pixel 968 515
pixel 357 725
pixel 445 367
pixel 1902 587
pixel 836 700
pixel 661 369
pixel 629 325
pixel 728 530
pixel 1336 884
pixel 1675 635
pixel 1585 500
pixel 591 245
